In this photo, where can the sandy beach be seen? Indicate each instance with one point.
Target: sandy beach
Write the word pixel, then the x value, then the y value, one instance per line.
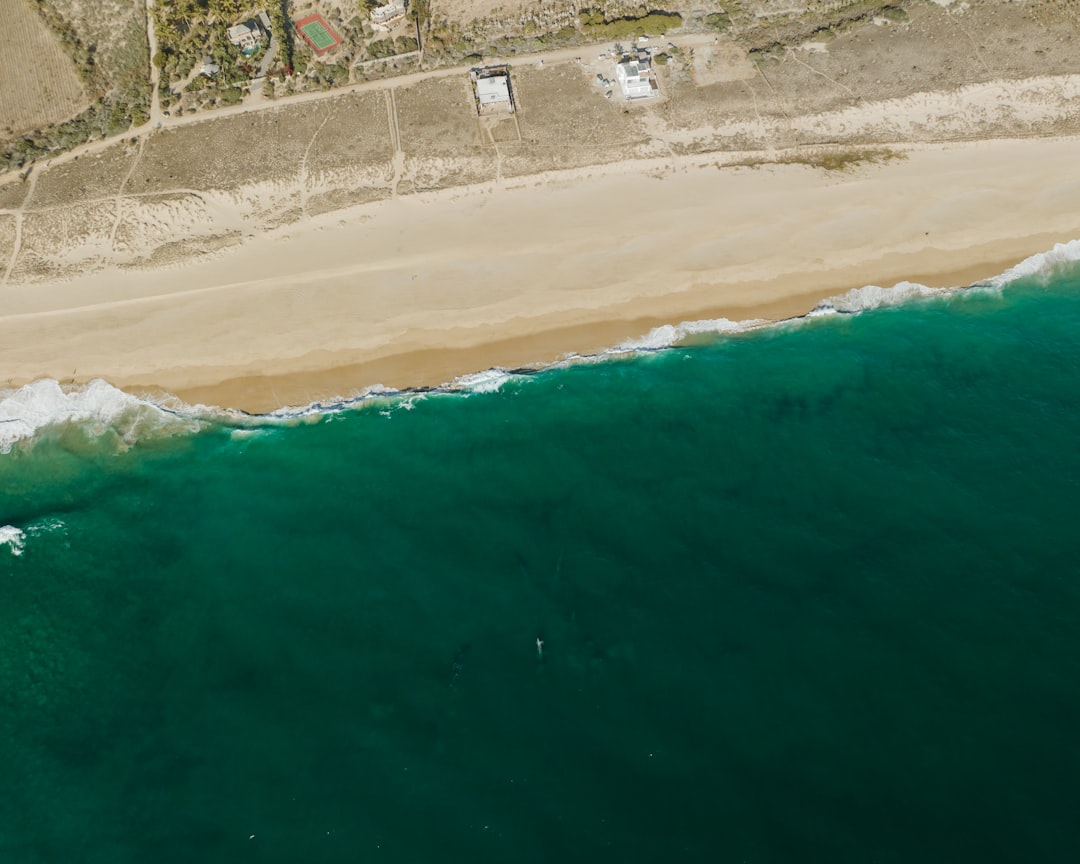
pixel 418 290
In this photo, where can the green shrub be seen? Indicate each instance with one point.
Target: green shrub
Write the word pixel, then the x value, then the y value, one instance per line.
pixel 232 96
pixel 718 21
pixel 895 14
pixel 380 49
pixel 652 24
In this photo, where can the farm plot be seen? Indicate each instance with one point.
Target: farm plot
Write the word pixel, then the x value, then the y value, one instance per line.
pixel 38 82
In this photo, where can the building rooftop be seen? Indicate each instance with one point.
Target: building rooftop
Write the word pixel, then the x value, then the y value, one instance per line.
pixel 635 79
pixel 389 12
pixel 493 89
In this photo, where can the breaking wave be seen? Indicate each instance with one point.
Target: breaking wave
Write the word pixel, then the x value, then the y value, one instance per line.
pixel 12 537
pixel 15 538
pixel 98 409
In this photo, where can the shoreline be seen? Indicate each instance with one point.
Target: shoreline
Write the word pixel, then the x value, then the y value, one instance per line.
pixel 419 290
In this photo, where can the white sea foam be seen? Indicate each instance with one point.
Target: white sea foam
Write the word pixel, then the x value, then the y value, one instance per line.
pixel 48 525
pixel 16 538
pixel 875 297
pixel 1063 254
pixel 488 381
pixel 13 538
pixel 668 335
pixel 97 407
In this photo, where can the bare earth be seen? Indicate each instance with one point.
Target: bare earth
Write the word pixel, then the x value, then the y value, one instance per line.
pixel 386 235
pixel 38 84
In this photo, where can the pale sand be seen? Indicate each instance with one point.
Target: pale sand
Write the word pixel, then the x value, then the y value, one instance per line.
pixel 420 289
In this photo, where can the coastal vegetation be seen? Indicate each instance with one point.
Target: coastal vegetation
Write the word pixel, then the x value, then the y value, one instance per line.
pixel 841 160
pixel 596 26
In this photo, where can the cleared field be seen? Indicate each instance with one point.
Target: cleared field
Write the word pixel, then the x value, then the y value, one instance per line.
pixel 437 118
pixel 97 175
pixel 356 134
pixel 350 160
pixel 264 146
pixel 7 241
pixel 38 82
pixel 441 137
pixel 566 123
pixel 12 194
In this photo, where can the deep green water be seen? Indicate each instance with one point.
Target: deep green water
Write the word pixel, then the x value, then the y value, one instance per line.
pixel 807 595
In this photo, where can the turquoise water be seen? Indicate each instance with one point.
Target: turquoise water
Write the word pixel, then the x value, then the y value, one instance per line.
pixel 805 594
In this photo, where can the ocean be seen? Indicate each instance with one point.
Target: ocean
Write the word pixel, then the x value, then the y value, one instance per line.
pixel 801 593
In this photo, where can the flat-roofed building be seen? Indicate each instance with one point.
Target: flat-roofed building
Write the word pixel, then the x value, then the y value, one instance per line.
pixel 492 88
pixel 636 79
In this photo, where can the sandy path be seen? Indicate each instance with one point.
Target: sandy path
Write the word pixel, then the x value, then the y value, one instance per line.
pixel 156 115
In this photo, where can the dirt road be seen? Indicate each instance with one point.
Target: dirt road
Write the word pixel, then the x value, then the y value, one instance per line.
pixel 158 121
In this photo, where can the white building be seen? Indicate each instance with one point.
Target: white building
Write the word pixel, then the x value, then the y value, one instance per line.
pixel 493 90
pixel 492 87
pixel 635 79
pixel 391 13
